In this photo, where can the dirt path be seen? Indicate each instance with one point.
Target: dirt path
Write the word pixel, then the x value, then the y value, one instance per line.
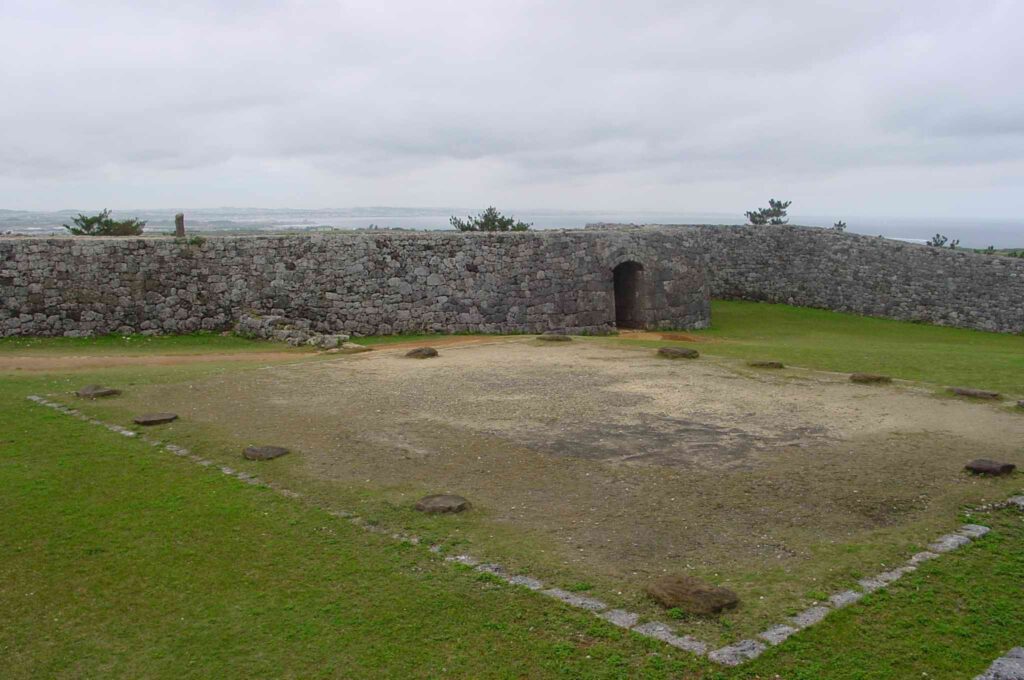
pixel 675 336
pixel 72 363
pixel 64 362
pixel 449 341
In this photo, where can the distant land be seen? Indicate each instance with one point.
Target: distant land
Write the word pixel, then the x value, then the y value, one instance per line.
pixel 973 233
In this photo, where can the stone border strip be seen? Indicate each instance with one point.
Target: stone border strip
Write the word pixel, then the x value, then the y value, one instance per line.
pixel 730 655
pixel 1009 666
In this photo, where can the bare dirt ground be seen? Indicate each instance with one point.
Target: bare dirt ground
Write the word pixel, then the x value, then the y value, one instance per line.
pixel 64 363
pixel 620 464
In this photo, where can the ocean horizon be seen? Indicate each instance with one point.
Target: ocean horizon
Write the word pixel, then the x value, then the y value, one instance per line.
pixel 972 233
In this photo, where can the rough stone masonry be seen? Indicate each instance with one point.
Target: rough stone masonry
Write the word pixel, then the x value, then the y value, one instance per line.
pixel 356 283
pixel 367 283
pixel 866 275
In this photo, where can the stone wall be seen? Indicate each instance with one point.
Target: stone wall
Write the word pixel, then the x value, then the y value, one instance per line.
pixel 361 283
pixel 866 275
pixel 518 282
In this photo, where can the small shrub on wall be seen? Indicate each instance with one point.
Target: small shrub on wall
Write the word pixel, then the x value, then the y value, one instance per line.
pixel 103 225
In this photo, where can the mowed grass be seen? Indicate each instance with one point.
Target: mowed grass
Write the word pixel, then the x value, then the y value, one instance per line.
pixel 824 340
pixel 119 560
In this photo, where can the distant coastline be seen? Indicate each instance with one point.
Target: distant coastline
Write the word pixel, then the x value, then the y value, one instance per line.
pixel 973 233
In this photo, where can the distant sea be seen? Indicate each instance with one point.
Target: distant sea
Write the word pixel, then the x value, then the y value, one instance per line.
pixel 973 233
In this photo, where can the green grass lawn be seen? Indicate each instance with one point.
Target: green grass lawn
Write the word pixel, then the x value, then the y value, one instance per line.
pixel 119 560
pixel 819 339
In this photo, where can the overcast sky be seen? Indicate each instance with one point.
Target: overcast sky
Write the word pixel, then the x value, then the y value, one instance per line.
pixel 910 108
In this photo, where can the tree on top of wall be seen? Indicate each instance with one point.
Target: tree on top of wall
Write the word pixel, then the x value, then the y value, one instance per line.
pixel 489 220
pixel 104 225
pixel 775 213
pixel 941 240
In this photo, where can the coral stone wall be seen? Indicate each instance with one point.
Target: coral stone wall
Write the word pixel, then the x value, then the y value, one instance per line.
pixel 866 275
pixel 354 283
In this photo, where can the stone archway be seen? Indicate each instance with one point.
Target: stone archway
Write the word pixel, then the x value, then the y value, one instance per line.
pixel 628 278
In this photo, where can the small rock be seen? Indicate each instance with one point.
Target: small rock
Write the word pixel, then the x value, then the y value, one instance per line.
pixel 976 394
pixel 973 530
pixel 354 347
pixel 421 353
pixel 691 595
pixel 678 353
pixel 948 543
pixel 97 392
pixel 869 379
pixel 554 336
pixel 327 341
pixel 264 452
pixel 442 503
pixel 766 364
pixel 984 466
pixel 155 418
pixel 1020 404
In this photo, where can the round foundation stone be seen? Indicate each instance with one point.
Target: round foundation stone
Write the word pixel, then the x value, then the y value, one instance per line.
pixel 442 503
pixel 97 392
pixel 155 419
pixel 263 452
pixel 678 353
pixel 870 379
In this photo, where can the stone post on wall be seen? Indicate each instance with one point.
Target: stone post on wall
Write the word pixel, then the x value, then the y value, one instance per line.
pixel 179 225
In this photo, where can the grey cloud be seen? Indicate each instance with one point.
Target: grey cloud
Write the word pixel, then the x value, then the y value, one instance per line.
pixel 484 98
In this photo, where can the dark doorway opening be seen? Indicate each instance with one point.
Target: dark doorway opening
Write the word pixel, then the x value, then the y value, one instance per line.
pixel 628 308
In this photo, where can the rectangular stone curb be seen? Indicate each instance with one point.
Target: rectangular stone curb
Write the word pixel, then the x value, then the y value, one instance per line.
pixel 659 631
pixel 920 557
pixel 845 598
pixel 973 530
pixel 776 635
pixel 948 543
pixel 870 585
pixel 1010 666
pixel 620 618
pixel 810 616
pixel 737 653
pixel 575 600
pixel 526 582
